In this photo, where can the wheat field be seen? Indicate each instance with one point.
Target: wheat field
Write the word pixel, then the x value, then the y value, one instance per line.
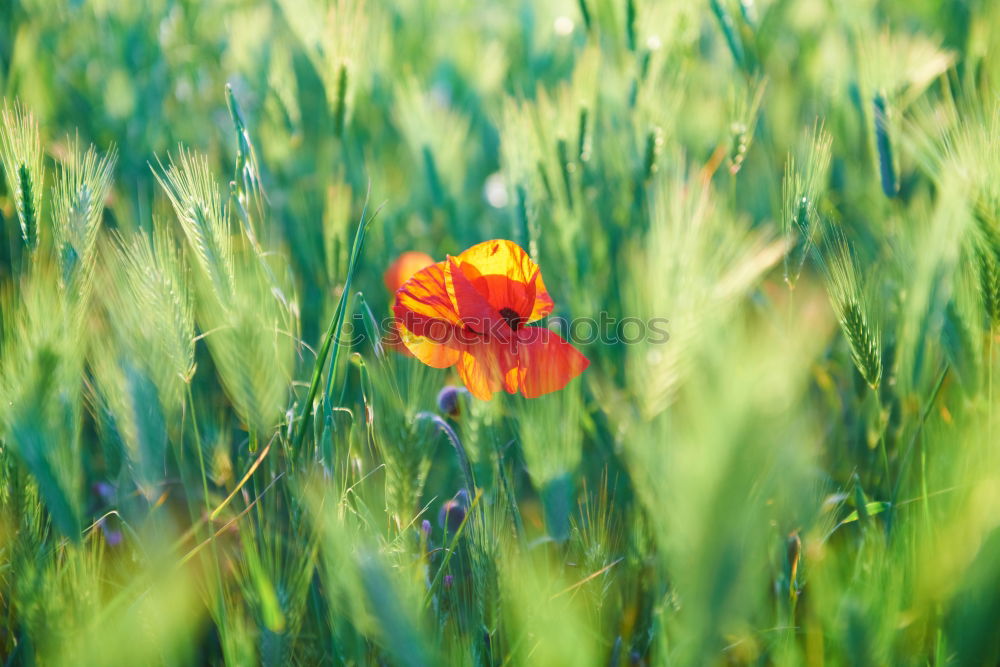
pixel 281 381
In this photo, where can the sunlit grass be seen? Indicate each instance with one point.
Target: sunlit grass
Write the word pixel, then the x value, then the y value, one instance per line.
pixel 210 454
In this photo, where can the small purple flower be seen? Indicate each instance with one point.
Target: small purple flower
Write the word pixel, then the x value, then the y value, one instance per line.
pixel 449 400
pixel 448 581
pixel 104 491
pixel 112 537
pixel 453 511
pixel 425 527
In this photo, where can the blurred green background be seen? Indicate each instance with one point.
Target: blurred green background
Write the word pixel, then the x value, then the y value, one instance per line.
pixel 805 473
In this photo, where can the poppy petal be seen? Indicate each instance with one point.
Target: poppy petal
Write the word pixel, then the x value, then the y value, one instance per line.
pixel 484 369
pixel 543 304
pixel 504 273
pixel 476 313
pixel 512 379
pixel 546 362
pixel 434 354
pixel 469 302
pixel 405 266
pixel 423 303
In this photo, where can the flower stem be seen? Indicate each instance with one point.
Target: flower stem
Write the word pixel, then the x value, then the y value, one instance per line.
pixel 332 331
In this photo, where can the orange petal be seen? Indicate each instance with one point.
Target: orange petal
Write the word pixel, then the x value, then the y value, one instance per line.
pixel 434 354
pixel 423 304
pixel 474 310
pixel 546 362
pixel 404 267
pixel 504 273
pixel 393 339
pixel 512 379
pixel 484 369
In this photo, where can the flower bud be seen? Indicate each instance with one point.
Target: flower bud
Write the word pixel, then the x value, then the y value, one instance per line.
pixel 104 491
pixel 453 512
pixel 449 400
pixel 111 537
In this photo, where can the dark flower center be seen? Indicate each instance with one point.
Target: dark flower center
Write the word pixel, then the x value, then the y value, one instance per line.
pixel 514 320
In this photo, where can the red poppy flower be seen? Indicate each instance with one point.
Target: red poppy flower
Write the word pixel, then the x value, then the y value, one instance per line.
pixel 471 311
pixel 404 267
pixel 398 273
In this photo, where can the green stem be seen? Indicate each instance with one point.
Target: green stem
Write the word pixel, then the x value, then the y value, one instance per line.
pixel 456 442
pixel 451 549
pixel 208 508
pixel 925 503
pixel 989 395
pixel 332 332
pixel 198 447
pixel 916 433
pixel 791 310
pixel 881 446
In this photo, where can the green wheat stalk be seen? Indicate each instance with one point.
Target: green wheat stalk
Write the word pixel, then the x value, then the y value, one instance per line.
pixel 82 185
pixel 802 189
pixel 21 154
pixel 855 313
pixel 332 335
pixel 986 245
pixel 191 188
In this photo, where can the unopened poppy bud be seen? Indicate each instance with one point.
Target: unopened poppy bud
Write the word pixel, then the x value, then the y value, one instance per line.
pixel 450 399
pixel 104 491
pixel 111 537
pixel 453 512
